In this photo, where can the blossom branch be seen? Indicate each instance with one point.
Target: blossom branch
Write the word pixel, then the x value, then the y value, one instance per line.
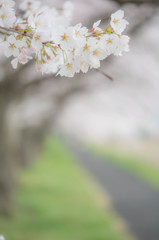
pixel 12 30
pixel 58 47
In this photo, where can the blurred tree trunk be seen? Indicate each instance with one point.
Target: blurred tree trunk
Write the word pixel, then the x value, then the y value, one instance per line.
pixel 7 158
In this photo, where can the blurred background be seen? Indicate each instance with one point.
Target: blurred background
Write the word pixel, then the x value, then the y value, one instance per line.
pixel 79 158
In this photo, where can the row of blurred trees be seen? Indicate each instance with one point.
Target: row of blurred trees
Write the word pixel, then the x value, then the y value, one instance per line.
pixel 29 105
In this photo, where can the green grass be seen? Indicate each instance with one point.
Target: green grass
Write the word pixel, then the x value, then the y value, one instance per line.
pixel 132 163
pixel 57 201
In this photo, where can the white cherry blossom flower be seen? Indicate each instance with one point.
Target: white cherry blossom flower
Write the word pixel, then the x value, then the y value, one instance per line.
pixel 67 70
pixel 53 65
pixel 68 8
pixel 84 66
pixel 79 35
pixel 117 22
pixel 11 47
pixel 30 5
pixel 64 38
pixel 109 43
pixel 7 3
pixel 22 58
pixel 89 46
pixel 7 17
pixel 39 21
pixel 79 31
pixel 99 54
pixel 96 24
pixel 122 46
pixel 38 39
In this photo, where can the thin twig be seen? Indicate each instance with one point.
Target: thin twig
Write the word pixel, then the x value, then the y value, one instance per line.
pixel 104 74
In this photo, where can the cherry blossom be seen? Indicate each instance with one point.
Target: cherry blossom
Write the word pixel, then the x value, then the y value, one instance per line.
pixel 7 3
pixel 22 58
pixel 59 48
pixel 118 23
pixel 11 47
pixel 68 8
pixel 7 15
pixel 29 5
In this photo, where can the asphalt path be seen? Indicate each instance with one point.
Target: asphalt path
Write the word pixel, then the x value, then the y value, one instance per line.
pixel 134 200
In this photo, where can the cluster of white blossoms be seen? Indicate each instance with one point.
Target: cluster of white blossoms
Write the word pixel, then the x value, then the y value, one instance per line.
pixel 45 33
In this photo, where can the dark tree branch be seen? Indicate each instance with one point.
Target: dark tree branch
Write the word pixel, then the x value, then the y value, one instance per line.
pixel 104 74
pixel 36 82
pixel 138 2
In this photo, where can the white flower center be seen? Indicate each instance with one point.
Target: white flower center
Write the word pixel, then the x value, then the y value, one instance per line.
pixel 12 46
pixel 3 16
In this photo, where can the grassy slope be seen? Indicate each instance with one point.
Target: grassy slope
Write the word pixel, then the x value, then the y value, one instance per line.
pixel 134 164
pixel 56 201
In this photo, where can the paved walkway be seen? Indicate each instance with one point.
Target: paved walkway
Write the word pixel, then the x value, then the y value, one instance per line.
pixel 134 200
